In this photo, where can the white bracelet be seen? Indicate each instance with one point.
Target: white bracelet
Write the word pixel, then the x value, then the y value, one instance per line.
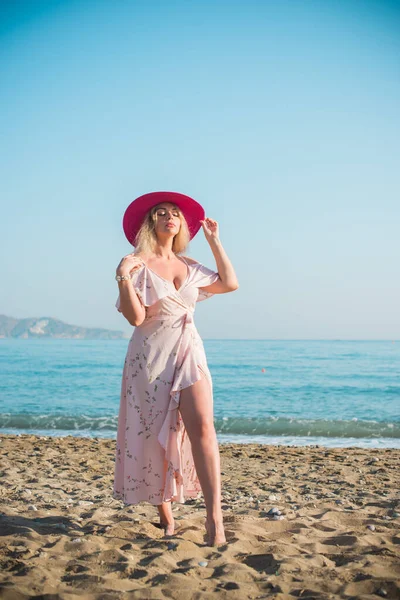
pixel 122 277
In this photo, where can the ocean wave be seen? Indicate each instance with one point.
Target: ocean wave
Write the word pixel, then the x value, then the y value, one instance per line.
pixel 307 427
pixel 273 426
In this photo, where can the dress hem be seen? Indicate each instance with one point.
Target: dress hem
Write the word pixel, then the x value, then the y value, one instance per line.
pixel 117 496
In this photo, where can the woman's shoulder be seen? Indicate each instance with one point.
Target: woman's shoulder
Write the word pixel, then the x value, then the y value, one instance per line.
pixel 190 261
pixel 141 257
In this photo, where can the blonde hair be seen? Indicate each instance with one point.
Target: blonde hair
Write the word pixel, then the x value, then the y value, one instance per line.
pixel 146 237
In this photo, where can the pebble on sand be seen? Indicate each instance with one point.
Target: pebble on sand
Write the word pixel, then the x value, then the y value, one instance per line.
pixel 202 563
pixel 274 511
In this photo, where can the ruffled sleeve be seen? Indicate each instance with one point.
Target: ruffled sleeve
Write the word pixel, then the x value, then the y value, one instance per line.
pixel 148 287
pixel 204 277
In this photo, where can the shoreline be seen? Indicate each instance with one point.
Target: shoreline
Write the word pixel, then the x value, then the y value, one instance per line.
pixel 239 439
pixel 339 535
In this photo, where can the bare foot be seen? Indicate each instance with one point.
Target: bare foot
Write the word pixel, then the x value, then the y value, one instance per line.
pixel 169 528
pixel 215 533
pixel 166 518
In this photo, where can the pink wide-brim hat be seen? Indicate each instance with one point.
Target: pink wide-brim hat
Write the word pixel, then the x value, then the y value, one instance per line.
pixel 137 210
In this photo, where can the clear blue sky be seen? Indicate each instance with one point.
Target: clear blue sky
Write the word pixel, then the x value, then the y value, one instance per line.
pixel 281 117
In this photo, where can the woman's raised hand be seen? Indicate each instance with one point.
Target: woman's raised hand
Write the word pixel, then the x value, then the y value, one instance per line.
pixel 129 264
pixel 210 228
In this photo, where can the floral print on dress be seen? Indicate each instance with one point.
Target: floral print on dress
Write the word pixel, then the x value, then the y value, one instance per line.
pixel 153 458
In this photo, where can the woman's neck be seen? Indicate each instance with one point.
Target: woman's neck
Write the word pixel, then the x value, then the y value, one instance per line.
pixel 164 250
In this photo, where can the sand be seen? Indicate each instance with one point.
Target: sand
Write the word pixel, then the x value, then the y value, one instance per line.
pixel 64 536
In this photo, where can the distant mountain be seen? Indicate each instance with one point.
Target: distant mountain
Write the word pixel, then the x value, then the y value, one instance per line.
pixel 46 327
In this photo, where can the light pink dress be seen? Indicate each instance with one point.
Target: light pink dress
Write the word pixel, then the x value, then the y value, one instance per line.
pixel 153 460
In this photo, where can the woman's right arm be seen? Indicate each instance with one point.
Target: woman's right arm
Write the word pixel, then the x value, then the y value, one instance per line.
pixel 129 302
pixel 130 305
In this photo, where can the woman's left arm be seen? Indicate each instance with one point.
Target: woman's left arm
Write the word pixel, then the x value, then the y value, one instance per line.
pixel 227 277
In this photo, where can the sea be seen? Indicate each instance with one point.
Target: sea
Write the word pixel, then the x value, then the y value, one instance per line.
pixel 329 393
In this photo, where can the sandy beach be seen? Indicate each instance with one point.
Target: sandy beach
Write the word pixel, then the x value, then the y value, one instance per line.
pixel 301 522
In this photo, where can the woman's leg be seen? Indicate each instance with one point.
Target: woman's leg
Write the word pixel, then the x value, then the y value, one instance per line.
pixel 165 511
pixel 166 518
pixel 197 414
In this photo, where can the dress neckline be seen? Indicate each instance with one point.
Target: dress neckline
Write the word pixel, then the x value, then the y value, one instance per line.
pixel 168 280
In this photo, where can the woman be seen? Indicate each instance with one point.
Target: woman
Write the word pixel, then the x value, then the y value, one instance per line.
pixel 167 447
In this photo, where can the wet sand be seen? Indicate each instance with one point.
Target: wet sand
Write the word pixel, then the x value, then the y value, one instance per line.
pixel 64 536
